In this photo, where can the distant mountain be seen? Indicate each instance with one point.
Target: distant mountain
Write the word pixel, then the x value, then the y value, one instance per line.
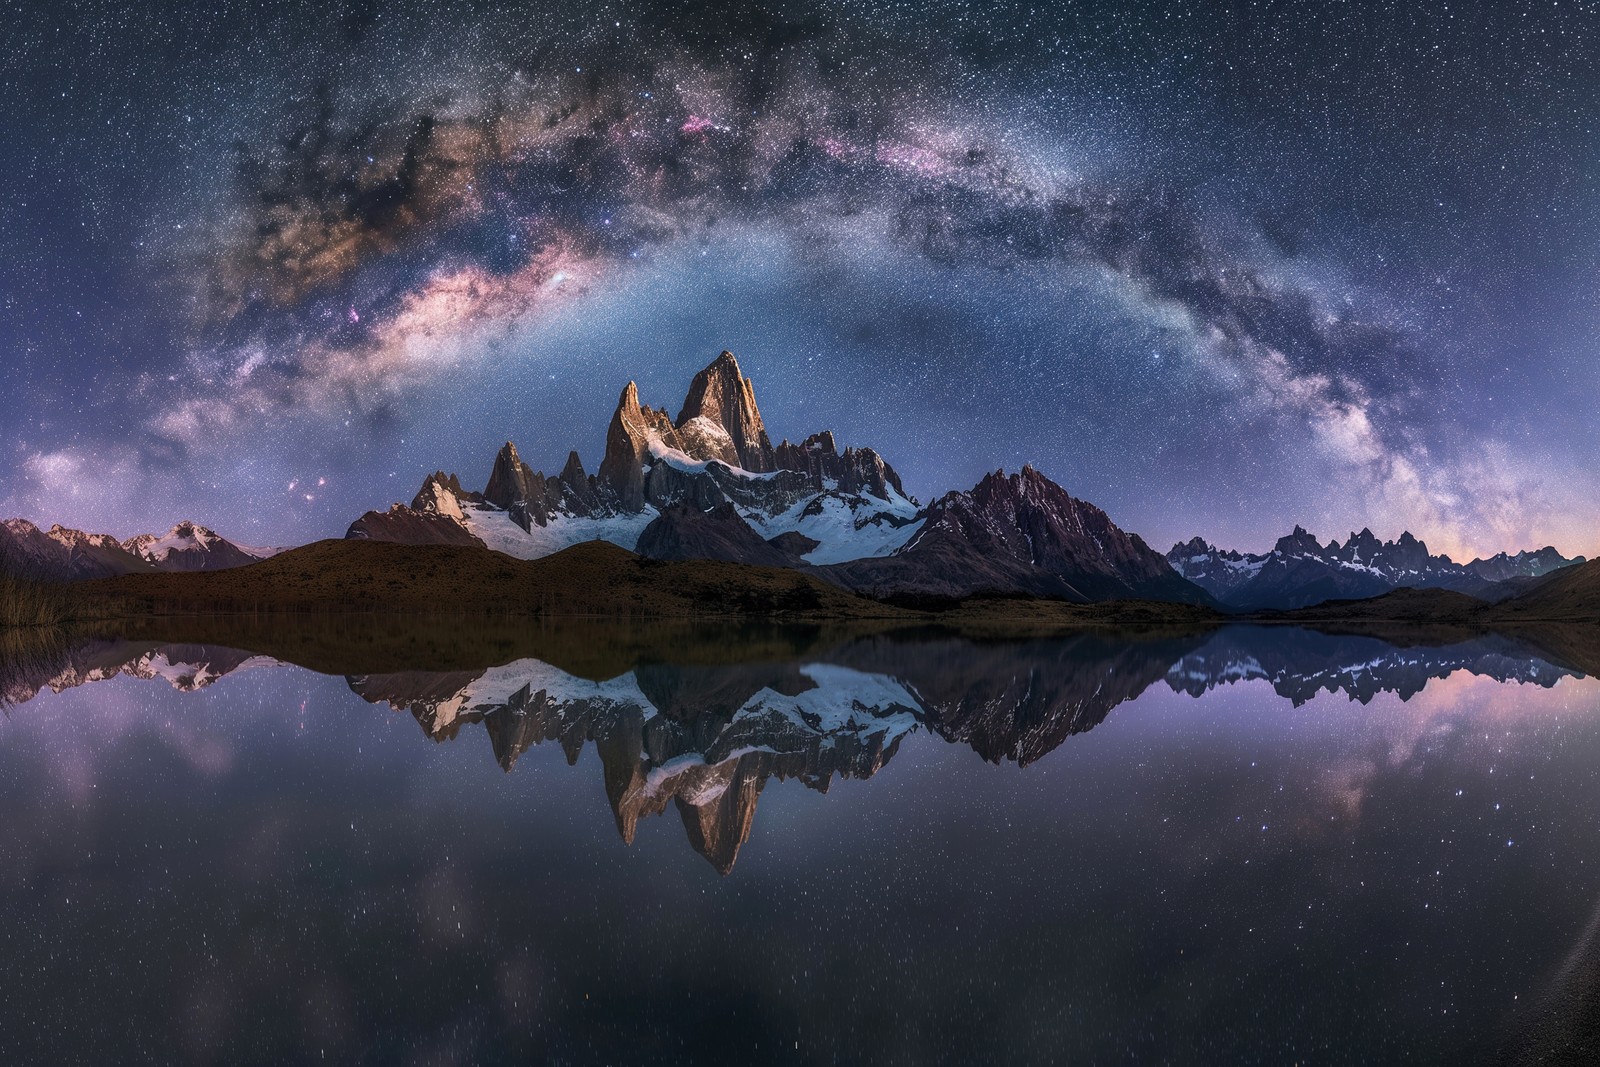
pixel 63 554
pixel 188 546
pixel 1503 568
pixel 1020 534
pixel 821 504
pixel 1300 571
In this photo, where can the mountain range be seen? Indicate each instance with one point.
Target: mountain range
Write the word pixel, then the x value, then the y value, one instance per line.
pixel 62 554
pixel 1300 571
pixel 709 484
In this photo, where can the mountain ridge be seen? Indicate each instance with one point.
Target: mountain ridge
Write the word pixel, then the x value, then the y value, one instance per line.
pixel 65 554
pixel 1300 571
pixel 710 484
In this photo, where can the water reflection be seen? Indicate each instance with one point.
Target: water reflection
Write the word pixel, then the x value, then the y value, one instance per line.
pixel 1240 846
pixel 702 739
pixel 705 738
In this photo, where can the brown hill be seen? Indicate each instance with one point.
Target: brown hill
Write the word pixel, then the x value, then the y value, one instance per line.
pixel 1570 595
pixel 594 578
pixel 1401 605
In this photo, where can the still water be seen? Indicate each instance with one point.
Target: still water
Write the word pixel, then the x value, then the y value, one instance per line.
pixel 1251 845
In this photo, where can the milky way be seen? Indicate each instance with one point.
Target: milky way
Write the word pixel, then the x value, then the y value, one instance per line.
pixel 1221 270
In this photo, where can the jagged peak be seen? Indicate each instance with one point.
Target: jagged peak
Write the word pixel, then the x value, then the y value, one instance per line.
pixel 721 394
pixel 822 440
pixel 573 472
pixel 1195 546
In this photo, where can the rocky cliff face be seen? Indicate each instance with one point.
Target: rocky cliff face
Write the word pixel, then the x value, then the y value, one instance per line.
pixel 719 418
pixel 855 470
pixel 628 443
pixel 1301 571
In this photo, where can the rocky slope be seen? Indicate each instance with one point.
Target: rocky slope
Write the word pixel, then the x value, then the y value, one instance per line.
pixel 1019 534
pixel 62 554
pixel 1300 571
pixel 683 531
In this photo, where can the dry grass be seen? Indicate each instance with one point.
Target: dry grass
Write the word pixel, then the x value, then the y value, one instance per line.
pixel 30 604
pixel 594 579
pixel 27 600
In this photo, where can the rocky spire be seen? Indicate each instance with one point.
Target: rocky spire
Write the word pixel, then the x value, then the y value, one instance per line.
pixel 721 395
pixel 627 448
pixel 511 479
pixel 578 486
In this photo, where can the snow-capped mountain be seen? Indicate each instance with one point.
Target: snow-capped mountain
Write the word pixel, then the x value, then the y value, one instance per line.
pixel 812 502
pixel 188 546
pixel 64 554
pixel 710 485
pixel 1300 571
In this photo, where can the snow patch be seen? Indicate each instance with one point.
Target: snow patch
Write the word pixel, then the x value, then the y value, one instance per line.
pixel 846 527
pixel 495 529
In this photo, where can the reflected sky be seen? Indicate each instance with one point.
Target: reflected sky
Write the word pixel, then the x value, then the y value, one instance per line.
pixel 277 864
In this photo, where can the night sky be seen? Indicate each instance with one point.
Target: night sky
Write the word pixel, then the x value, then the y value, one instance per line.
pixel 1220 268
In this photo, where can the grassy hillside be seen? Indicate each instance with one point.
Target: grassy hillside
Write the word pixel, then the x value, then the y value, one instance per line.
pixel 1571 595
pixel 590 579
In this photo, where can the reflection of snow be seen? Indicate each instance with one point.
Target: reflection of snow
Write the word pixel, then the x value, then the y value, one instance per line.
pixel 843 699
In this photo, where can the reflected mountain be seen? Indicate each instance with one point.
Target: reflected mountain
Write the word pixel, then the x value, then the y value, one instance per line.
pixel 186 667
pixel 1017 701
pixel 703 732
pixel 1301 663
pixel 702 739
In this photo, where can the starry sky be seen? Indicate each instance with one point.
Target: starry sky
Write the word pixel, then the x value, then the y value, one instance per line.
pixel 1219 267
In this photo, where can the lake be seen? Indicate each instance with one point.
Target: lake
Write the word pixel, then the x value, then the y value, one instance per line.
pixel 899 847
